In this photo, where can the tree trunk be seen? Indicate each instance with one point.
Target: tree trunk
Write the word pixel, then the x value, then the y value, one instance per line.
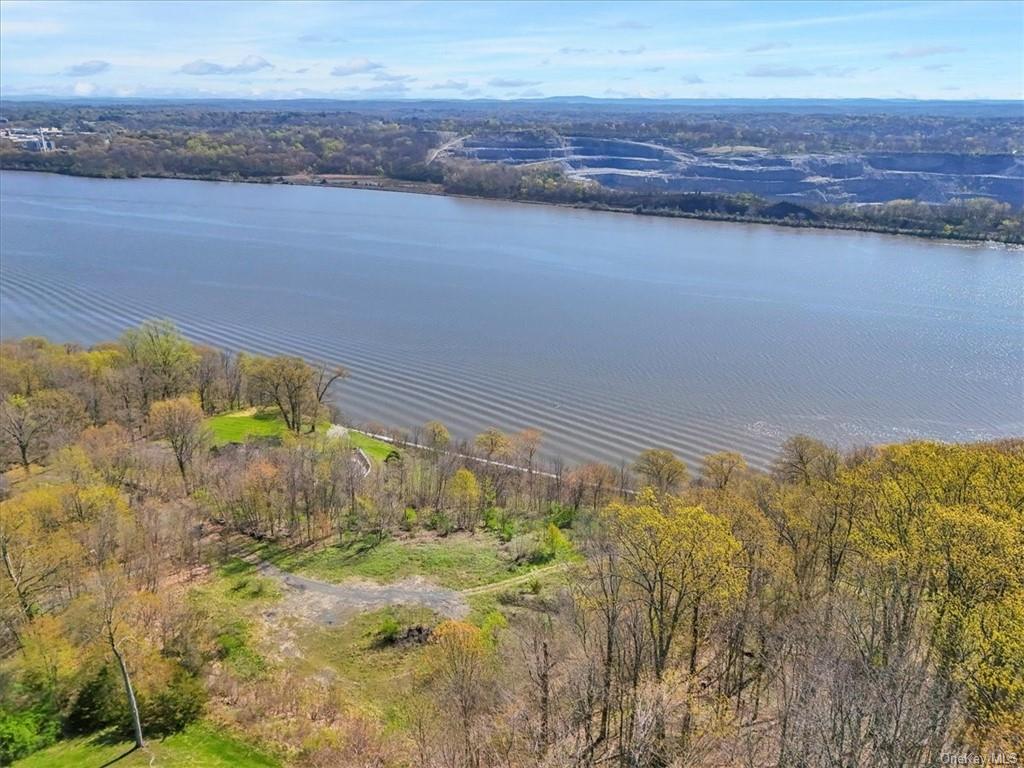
pixel 23 601
pixel 133 704
pixel 545 697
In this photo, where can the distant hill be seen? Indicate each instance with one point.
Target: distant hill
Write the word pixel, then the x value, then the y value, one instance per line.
pixel 968 108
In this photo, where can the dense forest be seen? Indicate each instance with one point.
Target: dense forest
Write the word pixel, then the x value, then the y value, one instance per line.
pixel 173 515
pixel 281 144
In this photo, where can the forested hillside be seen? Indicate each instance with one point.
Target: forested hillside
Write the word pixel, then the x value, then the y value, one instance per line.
pixel 198 560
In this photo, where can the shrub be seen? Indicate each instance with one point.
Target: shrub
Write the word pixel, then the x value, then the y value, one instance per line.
pixel 524 549
pixel 561 515
pixel 172 708
pixel 22 733
pixel 387 630
pixel 509 597
pixel 440 522
pixel 100 703
pixel 499 522
pixel 409 519
pixel 554 543
pixel 491 625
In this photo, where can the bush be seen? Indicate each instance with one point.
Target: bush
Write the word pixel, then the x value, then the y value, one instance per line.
pixel 509 597
pixel 525 549
pixel 409 519
pixel 493 623
pixel 22 733
pixel 561 515
pixel 440 522
pixel 174 707
pixel 387 630
pixel 499 522
pixel 100 703
pixel 554 543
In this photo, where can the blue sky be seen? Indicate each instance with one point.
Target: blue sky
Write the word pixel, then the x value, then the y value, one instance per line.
pixel 943 50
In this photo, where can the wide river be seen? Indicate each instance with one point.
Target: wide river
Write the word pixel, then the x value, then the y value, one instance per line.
pixel 611 333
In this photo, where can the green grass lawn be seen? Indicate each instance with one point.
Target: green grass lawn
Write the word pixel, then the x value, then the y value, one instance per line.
pixel 239 426
pixel 375 449
pixel 199 746
pixel 458 561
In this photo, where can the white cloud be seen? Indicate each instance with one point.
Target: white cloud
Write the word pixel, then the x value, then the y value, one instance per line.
pixel 449 85
pixel 387 77
pixel 93 67
pixel 246 66
pixel 356 67
pixel 83 88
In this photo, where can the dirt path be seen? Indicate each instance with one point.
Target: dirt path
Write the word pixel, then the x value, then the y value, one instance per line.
pixel 513 580
pixel 333 604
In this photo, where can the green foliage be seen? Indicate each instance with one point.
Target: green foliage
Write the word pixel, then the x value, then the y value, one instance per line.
pixel 409 519
pixel 562 515
pixel 100 703
pixel 26 731
pixel 499 522
pixel 387 630
pixel 440 522
pixel 165 360
pixel 173 707
pixel 491 626
pixel 554 543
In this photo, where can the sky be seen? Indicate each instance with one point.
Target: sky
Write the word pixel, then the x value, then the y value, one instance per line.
pixel 507 50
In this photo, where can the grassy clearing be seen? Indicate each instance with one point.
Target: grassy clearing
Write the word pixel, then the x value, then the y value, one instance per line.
pixel 376 677
pixel 239 426
pixel 458 561
pixel 375 449
pixel 229 597
pixel 199 746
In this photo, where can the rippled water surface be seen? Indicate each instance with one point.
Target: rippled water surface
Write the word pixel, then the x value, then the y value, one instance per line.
pixel 609 332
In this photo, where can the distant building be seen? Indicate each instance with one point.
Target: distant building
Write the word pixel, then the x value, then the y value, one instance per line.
pixel 30 142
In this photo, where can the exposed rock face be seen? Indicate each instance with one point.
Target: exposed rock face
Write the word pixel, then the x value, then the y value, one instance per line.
pixel 833 178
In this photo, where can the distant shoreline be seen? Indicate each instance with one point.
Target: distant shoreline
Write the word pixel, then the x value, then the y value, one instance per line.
pixel 387 184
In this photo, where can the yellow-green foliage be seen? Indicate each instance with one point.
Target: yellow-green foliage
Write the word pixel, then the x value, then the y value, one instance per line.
pixel 946 525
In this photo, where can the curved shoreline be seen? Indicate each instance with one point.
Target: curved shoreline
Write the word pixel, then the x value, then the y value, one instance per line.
pixel 386 184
